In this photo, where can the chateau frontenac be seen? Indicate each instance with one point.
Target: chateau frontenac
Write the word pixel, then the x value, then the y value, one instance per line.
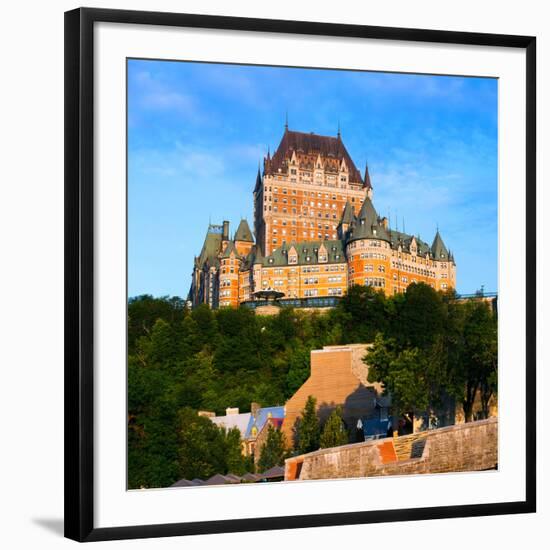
pixel 316 233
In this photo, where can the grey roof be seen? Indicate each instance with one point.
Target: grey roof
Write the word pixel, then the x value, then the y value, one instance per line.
pixel 305 250
pixel 243 233
pixel 251 477
pixel 239 421
pixel 439 250
pixel 217 479
pixel 404 239
pixel 230 248
pixel 367 224
pixel 276 471
pixel 233 478
pixel 366 179
pixel 258 180
pixel 210 247
pixel 184 483
pixel 347 214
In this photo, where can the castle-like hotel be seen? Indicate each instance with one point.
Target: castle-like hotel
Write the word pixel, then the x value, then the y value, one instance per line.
pixel 317 233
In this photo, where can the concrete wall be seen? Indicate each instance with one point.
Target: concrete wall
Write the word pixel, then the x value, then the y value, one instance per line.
pixel 465 447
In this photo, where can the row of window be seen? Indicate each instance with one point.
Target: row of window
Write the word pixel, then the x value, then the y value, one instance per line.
pixel 370 267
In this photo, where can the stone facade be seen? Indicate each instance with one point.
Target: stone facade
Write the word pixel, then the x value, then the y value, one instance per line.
pixel 464 447
pixel 316 233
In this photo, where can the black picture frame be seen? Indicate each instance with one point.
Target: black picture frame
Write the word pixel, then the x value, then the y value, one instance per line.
pixel 79 272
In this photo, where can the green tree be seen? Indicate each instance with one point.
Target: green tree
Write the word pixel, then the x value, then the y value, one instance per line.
pixel 298 369
pixel 306 429
pixel 273 452
pixel 234 459
pixel 405 375
pixel 421 317
pixel 202 447
pixel 363 313
pixel 478 358
pixel 334 431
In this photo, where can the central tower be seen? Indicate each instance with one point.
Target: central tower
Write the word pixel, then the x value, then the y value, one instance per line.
pixel 304 188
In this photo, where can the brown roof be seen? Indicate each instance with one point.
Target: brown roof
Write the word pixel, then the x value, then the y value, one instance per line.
pixel 307 147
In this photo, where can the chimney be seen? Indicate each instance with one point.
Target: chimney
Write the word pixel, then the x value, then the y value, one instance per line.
pixel 225 232
pixel 207 414
pixel 254 408
pixel 231 410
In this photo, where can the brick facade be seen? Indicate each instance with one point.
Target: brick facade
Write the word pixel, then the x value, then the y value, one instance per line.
pixel 316 233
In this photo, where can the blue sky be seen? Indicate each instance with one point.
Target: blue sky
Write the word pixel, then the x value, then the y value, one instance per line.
pixel 196 133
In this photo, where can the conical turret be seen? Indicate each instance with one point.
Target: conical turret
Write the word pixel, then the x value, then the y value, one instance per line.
pixel 243 233
pixel 439 250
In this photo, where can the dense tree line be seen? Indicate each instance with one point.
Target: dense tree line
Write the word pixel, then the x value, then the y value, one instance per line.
pixel 179 362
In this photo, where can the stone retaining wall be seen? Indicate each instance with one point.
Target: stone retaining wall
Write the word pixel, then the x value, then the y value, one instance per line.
pixel 463 447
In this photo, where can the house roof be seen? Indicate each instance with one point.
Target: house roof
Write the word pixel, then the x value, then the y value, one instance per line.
pixel 308 147
pixel 276 471
pixel 239 421
pixel 217 479
pixel 261 417
pixel 184 483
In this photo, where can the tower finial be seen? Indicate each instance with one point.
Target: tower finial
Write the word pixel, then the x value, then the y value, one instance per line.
pixel 286 121
pixel 339 133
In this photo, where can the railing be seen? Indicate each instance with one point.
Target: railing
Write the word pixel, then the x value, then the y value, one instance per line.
pixel 318 302
pixel 477 295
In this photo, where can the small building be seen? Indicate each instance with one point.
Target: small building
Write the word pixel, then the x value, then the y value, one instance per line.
pixel 256 433
pixel 338 378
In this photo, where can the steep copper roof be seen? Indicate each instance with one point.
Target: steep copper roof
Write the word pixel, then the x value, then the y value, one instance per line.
pixel 307 148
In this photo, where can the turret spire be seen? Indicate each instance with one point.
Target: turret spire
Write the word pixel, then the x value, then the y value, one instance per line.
pixel 366 180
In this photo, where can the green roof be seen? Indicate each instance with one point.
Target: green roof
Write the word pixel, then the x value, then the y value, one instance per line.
pixel 307 252
pixel 366 225
pixel 439 249
pixel 230 248
pixel 347 214
pixel 210 247
pixel 243 233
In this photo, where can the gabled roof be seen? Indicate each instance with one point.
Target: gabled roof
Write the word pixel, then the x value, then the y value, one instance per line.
pixel 261 417
pixel 228 249
pixel 439 249
pixel 308 147
pixel 243 233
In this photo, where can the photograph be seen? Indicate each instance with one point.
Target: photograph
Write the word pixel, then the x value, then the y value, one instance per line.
pixel 312 274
